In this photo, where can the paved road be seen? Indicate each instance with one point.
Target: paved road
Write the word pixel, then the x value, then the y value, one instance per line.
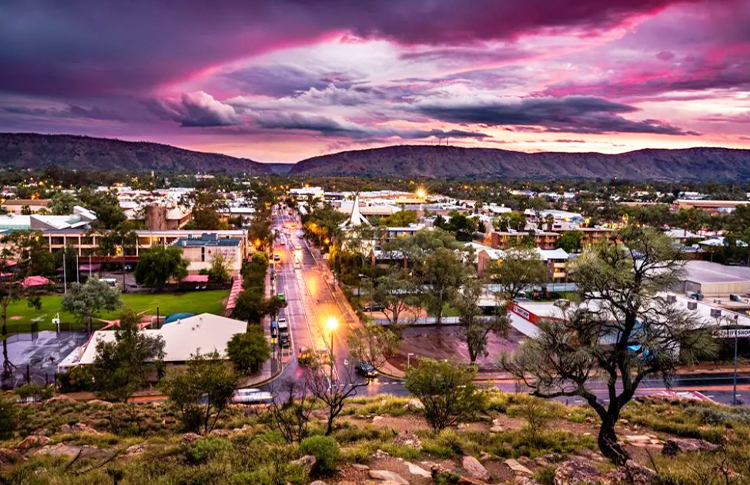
pixel 309 290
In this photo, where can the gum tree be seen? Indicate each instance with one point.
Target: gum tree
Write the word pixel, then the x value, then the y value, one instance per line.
pixel 623 331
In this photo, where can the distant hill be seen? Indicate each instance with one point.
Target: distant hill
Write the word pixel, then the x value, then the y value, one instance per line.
pixel 280 168
pixel 405 161
pixel 20 150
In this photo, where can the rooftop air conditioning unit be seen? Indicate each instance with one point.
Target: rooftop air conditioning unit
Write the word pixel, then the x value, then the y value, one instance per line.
pixel 692 305
pixel 715 312
pixel 671 299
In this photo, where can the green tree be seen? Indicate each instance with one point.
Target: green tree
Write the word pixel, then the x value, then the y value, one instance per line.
pixel 106 206
pixel 219 270
pixel 207 207
pixel 461 226
pixel 122 366
pixel 8 417
pixel 395 291
pixel 62 203
pixel 248 351
pixel 442 275
pixel 399 219
pixel 158 264
pixel 202 391
pixel 87 301
pixel 570 241
pixel 476 326
pixel 519 269
pixel 446 390
pixel 373 343
pixel 625 331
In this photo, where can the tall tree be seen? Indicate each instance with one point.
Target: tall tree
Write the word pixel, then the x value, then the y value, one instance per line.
pixel 476 326
pixel 442 274
pixel 202 391
pixel 248 351
pixel 570 241
pixel 396 291
pixel 158 264
pixel 625 330
pixel 87 301
pixel 106 206
pixel 62 203
pixel 122 366
pixel 519 269
pixel 207 206
pixel 373 343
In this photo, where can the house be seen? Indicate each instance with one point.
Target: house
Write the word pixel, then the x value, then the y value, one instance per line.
pixel 507 239
pixel 202 250
pixel 202 334
pixel 28 206
pixel 81 218
pixel 556 261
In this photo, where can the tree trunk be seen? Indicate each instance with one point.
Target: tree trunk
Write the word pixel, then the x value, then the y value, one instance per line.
pixel 608 445
pixel 5 315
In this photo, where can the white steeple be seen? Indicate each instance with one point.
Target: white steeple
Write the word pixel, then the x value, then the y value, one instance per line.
pixel 356 219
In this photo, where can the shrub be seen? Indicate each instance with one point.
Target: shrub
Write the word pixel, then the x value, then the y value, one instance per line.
pixel 205 448
pixel 35 391
pixel 546 476
pixel 325 450
pixel 8 417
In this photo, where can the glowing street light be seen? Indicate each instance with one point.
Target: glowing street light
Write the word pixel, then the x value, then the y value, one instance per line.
pixel 421 193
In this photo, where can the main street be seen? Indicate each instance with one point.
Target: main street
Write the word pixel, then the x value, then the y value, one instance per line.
pixel 313 299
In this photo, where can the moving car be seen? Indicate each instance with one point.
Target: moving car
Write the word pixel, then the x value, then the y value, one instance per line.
pixel 251 396
pixel 283 326
pixel 276 257
pixel 366 369
pixel 281 297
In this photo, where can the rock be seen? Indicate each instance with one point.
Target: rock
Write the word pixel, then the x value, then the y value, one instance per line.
pixel 61 398
pixel 136 449
pixel 8 456
pixel 32 442
pixel 496 429
pixel 517 468
pixel 190 437
pixel 526 461
pixel 380 454
pixel 307 462
pixel 643 441
pixel 70 451
pixel 378 482
pixel 577 472
pixel 474 468
pixel 633 474
pixel 220 433
pixel 484 456
pixel 418 470
pixel 470 481
pixel 347 482
pixel 676 445
pixel 414 404
pixel 360 467
pixel 78 428
pixel 318 482
pixel 375 419
pixel 624 422
pixel 99 402
pixel 388 475
pixel 521 480
pixel 408 439
pixel 553 457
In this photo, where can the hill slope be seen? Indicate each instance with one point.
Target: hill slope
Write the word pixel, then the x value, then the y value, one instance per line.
pixel 20 150
pixel 454 162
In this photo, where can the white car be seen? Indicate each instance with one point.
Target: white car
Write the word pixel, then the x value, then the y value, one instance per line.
pixel 251 396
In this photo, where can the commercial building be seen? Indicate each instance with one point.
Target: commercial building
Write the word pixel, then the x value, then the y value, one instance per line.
pixel 80 219
pixel 202 250
pixel 714 280
pixel 710 206
pixel 21 206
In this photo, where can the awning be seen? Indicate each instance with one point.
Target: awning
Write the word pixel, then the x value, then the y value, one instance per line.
pixel 195 278
pixel 32 281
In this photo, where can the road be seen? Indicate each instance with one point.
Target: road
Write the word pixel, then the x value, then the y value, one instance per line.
pixel 310 292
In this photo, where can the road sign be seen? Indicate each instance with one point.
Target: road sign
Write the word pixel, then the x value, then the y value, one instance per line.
pixel 733 332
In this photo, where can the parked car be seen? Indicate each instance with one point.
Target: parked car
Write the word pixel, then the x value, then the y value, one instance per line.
pixel 276 257
pixel 373 307
pixel 281 297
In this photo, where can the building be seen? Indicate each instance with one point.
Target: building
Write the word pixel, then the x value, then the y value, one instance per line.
pixel 166 216
pixel 556 261
pixel 28 206
pixel 714 280
pixel 508 239
pixel 202 334
pixel 202 250
pixel 710 206
pixel 80 219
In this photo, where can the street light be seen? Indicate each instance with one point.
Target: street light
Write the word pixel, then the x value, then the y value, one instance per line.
pixel 421 193
pixel 408 359
pixel 332 324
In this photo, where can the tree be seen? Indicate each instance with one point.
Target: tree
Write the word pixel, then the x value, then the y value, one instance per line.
pixel 62 203
pixel 86 301
pixel 399 219
pixel 121 367
pixel 519 269
pixel 443 273
pixel 446 390
pixel 158 264
pixel 463 227
pixel 625 330
pixel 207 206
pixel 219 270
pixel 291 409
pixel 8 417
pixel 202 391
pixel 373 343
pixel 248 351
pixel 331 391
pixel 106 206
pixel 476 325
pixel 396 291
pixel 570 241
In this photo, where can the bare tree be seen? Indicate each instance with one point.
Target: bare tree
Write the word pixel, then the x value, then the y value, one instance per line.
pixel 291 409
pixel 624 331
pixel 333 393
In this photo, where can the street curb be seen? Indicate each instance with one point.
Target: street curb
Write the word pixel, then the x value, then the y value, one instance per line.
pixel 391 376
pixel 270 379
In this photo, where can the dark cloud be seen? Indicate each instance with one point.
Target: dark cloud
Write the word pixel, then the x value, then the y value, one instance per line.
pixel 282 80
pixel 196 109
pixel 70 111
pixel 573 114
pixel 567 140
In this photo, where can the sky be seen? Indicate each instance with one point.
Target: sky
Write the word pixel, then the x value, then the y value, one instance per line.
pixel 283 80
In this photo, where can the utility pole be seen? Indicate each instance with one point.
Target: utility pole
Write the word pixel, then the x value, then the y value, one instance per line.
pixel 65 273
pixel 734 379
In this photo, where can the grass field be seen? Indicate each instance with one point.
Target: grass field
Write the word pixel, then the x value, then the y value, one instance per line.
pixel 20 314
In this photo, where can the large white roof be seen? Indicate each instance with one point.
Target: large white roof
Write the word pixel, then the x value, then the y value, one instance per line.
pixel 202 333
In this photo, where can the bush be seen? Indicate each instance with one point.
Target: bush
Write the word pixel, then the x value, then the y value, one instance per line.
pixel 35 391
pixel 205 448
pixel 8 417
pixel 325 450
pixel 76 379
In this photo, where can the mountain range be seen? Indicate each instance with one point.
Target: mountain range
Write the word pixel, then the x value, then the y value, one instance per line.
pixel 21 151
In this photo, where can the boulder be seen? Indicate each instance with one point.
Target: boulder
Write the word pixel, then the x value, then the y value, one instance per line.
pixel 9 457
pixel 99 402
pixel 190 437
pixel 307 462
pixel 633 474
pixel 418 470
pixel 318 482
pixel 380 454
pixel 136 449
pixel 414 404
pixel 360 467
pixel 409 440
pixel 577 472
pixel 32 442
pixel 70 451
pixel 517 468
pixel 521 480
pixel 78 428
pixel 61 398
pixel 676 445
pixel 388 475
pixel 474 468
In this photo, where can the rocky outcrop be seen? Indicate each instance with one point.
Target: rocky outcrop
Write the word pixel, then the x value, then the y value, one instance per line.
pixel 32 441
pixel 475 469
pixel 307 462
pixel 675 446
pixel 9 457
pixel 70 451
pixel 78 428
pixel 517 468
pixel 388 475
pixel 577 472
pixel 633 474
pixel 409 440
